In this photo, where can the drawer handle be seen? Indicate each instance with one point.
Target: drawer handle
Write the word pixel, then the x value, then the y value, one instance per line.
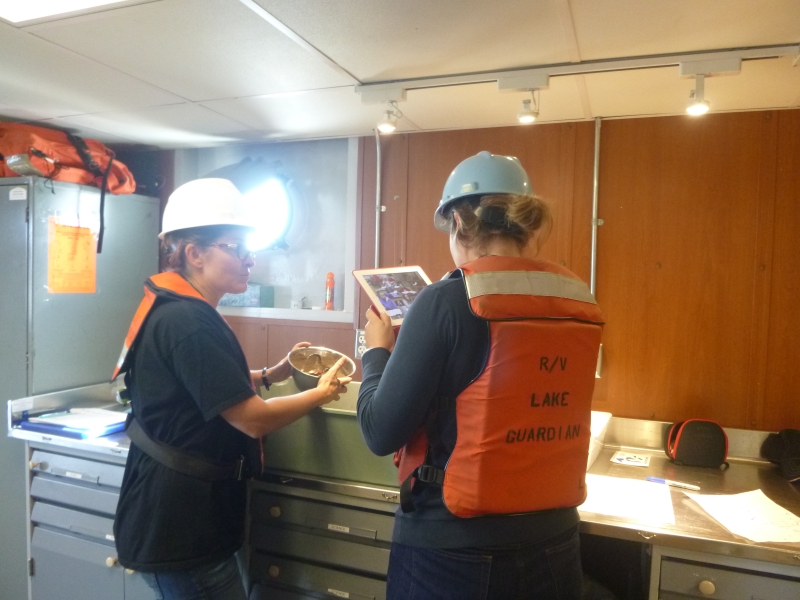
pixel 647 536
pixel 274 571
pixel 130 571
pixel 111 561
pixel 706 587
pixel 275 511
pixel 389 496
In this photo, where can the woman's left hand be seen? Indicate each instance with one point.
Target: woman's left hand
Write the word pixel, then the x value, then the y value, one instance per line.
pixel 378 331
pixel 283 370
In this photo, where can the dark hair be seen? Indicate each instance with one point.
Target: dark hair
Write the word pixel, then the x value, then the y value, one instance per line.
pixel 512 216
pixel 173 246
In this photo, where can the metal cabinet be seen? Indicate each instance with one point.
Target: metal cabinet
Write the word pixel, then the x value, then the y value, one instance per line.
pixel 306 543
pixel 72 504
pixel 681 574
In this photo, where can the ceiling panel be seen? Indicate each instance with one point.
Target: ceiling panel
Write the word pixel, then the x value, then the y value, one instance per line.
pixel 335 112
pixel 762 84
pixel 87 132
pixel 176 126
pixel 617 28
pixel 379 41
pixel 198 49
pixel 39 80
pixel 481 105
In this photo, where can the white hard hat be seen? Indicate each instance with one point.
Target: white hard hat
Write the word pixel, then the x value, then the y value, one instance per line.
pixel 205 202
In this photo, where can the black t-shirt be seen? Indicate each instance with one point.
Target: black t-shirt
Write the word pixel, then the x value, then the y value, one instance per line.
pixel 441 349
pixel 187 368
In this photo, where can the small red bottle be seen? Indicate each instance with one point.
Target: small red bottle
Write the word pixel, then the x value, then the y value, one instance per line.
pixel 329 292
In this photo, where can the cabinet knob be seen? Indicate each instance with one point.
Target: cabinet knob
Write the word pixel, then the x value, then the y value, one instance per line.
pixel 706 587
pixel 130 571
pixel 33 465
pixel 275 511
pixel 111 561
pixel 274 571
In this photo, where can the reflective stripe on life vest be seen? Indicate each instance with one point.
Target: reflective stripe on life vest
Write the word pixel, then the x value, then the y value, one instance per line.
pixel 523 425
pixel 163 282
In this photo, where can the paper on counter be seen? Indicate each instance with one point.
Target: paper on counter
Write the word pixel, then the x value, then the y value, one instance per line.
pixel 751 515
pixel 629 459
pixel 642 501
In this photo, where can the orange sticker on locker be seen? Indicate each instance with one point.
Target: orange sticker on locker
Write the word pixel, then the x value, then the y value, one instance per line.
pixel 71 259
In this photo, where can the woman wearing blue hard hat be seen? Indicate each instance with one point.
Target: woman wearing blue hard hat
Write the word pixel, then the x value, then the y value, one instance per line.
pixel 485 398
pixel 196 419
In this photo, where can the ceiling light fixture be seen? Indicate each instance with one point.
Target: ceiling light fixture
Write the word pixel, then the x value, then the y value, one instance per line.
pixel 389 122
pixel 698 105
pixel 528 115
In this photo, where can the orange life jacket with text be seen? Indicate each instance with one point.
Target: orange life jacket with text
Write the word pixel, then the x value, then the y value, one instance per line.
pixel 523 425
pixel 169 282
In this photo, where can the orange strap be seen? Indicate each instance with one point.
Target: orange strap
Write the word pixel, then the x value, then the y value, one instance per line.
pixel 163 282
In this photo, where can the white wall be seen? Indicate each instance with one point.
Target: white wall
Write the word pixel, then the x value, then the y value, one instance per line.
pixel 323 177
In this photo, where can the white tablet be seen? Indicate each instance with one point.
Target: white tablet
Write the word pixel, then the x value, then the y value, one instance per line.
pixel 392 289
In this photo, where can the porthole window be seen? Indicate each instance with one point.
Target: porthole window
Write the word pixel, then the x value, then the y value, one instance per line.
pixel 269 201
pixel 270 212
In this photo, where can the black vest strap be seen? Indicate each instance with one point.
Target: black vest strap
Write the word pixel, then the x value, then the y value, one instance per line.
pixel 180 461
pixel 423 474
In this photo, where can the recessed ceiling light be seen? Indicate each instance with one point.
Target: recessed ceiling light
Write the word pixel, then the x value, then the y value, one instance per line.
pixel 17 12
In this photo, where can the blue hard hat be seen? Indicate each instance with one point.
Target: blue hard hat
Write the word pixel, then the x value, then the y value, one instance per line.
pixel 479 175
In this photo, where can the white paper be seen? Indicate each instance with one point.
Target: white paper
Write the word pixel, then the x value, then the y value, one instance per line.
pixel 642 501
pixel 83 418
pixel 630 459
pixel 751 515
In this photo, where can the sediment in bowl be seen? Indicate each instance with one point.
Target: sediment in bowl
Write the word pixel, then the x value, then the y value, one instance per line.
pixel 314 358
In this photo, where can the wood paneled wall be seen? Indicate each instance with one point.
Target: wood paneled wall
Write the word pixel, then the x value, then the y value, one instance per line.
pixel 698 263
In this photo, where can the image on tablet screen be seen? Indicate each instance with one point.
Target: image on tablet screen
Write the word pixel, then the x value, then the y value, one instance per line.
pixel 396 291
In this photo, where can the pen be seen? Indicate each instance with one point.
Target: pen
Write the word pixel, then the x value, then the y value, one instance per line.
pixel 677 484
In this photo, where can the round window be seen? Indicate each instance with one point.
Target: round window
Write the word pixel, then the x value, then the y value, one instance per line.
pixel 270 213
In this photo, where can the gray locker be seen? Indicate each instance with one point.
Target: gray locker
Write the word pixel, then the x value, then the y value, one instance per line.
pixel 60 341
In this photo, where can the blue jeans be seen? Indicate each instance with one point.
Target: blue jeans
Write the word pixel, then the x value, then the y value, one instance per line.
pixel 547 570
pixel 221 581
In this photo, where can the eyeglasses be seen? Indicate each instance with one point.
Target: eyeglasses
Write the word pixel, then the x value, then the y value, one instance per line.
pixel 240 250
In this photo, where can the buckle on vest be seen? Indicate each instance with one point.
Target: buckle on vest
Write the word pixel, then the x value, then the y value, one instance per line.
pixel 239 475
pixel 430 474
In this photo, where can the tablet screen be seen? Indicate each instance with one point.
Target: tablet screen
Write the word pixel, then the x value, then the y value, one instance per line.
pixel 394 290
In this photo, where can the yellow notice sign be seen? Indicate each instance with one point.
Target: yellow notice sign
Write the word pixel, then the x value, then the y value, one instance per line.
pixel 71 259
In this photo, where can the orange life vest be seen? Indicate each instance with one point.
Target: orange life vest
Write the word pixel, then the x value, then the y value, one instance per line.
pixel 523 425
pixel 163 282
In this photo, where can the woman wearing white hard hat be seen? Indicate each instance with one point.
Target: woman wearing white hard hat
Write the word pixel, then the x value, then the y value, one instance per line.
pixel 196 419
pixel 486 400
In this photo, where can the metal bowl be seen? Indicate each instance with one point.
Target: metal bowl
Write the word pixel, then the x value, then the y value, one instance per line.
pixel 307 362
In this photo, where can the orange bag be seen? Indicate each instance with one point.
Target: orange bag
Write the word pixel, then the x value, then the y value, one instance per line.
pixel 61 156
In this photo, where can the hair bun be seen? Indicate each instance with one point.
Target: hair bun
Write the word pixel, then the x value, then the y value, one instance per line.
pixel 494 216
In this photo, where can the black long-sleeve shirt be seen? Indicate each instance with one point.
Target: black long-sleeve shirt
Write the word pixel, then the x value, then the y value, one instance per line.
pixel 442 347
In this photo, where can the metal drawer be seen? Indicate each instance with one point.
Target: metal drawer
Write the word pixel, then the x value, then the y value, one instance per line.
pixel 370 558
pixel 95 552
pixel 266 569
pixel 79 469
pixel 266 592
pixel 69 568
pixel 90 497
pixel 685 579
pixel 276 509
pixel 74 521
